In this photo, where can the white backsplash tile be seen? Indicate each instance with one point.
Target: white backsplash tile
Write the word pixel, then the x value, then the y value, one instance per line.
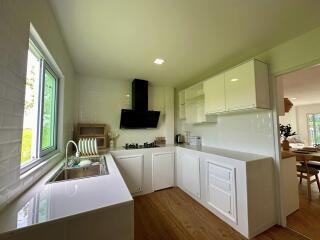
pixel 242 131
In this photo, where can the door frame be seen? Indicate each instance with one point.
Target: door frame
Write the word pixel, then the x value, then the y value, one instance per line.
pixel 282 219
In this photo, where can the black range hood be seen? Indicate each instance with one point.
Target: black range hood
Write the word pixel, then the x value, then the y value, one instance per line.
pixel 139 116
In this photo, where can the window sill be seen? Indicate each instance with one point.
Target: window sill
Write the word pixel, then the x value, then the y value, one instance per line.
pixel 44 166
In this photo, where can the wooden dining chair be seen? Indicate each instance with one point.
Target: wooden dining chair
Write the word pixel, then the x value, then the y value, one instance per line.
pixel 307 172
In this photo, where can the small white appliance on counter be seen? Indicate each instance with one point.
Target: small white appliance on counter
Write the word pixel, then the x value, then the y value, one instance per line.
pixel 195 140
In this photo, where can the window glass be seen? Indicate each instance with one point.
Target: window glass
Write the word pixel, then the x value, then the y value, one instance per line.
pixel 314 128
pixel 39 135
pixel 49 111
pixel 30 108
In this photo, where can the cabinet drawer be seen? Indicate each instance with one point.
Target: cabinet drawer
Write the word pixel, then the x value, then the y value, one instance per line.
pixel 220 172
pixel 220 200
pixel 223 185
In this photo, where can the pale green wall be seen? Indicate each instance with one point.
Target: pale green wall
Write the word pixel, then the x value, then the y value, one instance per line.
pixel 291 55
pixel 294 54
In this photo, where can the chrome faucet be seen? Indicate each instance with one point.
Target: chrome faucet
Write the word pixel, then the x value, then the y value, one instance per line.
pixel 77 151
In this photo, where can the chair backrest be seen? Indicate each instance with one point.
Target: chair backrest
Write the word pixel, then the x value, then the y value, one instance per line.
pixel 306 159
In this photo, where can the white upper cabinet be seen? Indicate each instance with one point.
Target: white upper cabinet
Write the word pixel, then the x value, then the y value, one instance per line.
pixel 193 92
pixel 214 95
pixel 243 87
pixel 246 86
pixel 194 105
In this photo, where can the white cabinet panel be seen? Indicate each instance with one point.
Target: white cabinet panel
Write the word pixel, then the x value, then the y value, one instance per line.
pixel 220 200
pixel 194 106
pixel 195 111
pixel 240 87
pixel 221 191
pixel 131 169
pixel 162 170
pixel 194 91
pixel 182 105
pixel 190 176
pixel 214 95
pixel 247 86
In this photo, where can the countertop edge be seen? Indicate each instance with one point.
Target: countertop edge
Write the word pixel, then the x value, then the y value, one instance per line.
pixel 40 185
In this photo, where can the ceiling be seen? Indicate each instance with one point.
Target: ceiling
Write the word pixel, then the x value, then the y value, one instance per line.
pixel 304 85
pixel 119 39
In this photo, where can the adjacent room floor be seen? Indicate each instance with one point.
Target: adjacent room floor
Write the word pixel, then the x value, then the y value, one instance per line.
pixel 172 214
pixel 307 219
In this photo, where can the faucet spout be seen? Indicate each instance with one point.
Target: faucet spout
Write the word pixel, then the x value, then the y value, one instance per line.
pixel 77 151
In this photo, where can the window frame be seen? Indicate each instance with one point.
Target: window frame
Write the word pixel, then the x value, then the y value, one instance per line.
pixel 314 128
pixel 45 64
pixel 41 153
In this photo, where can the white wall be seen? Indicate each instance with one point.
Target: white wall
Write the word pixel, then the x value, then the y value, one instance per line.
pixel 15 18
pixel 290 118
pixel 101 101
pixel 302 125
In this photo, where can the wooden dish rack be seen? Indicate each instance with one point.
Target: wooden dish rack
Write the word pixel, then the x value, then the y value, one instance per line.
pixel 98 131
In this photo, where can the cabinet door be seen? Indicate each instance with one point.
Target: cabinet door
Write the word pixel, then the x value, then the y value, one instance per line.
pixel 191 112
pixel 221 189
pixel 190 173
pixel 214 95
pixel 240 87
pixel 162 170
pixel 131 169
pixel 195 111
pixel 182 106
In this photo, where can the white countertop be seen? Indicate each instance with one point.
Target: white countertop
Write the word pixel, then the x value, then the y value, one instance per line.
pixel 241 156
pixel 46 202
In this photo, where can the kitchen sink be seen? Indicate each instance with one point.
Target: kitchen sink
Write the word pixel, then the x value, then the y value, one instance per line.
pixel 94 167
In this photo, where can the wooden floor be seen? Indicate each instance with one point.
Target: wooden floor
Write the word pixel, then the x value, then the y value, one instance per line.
pixel 307 219
pixel 172 214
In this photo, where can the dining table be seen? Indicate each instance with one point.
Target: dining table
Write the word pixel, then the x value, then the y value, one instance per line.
pixel 302 155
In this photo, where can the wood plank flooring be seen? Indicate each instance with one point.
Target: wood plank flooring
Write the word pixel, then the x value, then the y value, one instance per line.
pixel 172 215
pixel 307 219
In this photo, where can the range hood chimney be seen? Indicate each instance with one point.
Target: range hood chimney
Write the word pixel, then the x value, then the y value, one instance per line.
pixel 139 116
pixel 140 95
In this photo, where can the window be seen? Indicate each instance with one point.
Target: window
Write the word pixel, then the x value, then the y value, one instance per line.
pixel 39 137
pixel 314 128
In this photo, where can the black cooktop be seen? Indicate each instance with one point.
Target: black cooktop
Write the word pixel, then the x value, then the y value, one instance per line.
pixel 139 146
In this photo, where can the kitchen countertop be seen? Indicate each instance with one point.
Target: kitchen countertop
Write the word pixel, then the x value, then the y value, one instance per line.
pixel 47 202
pixel 242 156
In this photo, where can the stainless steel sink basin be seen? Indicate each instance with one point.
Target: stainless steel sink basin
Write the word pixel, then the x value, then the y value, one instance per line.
pixel 97 167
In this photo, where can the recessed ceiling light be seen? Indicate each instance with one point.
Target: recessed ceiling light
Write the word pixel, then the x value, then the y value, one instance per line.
pixel 158 61
pixel 234 79
pixel 294 98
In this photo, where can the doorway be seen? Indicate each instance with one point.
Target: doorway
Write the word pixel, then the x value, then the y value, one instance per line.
pixel 300 138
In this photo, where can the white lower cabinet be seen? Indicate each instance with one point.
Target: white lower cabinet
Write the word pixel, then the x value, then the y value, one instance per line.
pixel 131 169
pixel 221 193
pixel 189 173
pixel 240 192
pixel 162 170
